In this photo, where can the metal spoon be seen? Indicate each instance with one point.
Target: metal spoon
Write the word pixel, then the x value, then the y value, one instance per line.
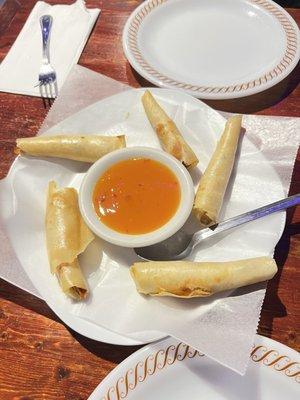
pixel 181 244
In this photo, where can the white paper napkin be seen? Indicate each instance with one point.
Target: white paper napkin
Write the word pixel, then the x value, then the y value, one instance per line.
pixel 226 332
pixel 72 25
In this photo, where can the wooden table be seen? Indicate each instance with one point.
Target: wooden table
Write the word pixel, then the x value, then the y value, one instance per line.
pixel 40 357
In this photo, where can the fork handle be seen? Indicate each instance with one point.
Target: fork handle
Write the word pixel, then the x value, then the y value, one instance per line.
pixel 46 24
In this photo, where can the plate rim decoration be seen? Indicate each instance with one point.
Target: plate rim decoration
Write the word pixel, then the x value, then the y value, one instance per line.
pixel 155 357
pixel 269 78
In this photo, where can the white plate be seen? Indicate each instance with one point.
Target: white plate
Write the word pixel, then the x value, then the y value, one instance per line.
pixel 25 191
pixel 169 369
pixel 212 49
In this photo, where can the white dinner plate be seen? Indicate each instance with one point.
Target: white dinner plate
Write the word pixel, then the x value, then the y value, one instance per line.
pixel 169 369
pixel 24 192
pixel 212 49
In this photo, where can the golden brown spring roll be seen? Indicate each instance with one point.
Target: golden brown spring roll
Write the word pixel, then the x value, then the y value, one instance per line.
pixel 81 148
pixel 67 236
pixel 167 132
pixel 199 279
pixel 213 183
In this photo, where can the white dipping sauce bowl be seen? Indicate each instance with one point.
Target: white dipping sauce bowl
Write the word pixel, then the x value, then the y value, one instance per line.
pixel 125 240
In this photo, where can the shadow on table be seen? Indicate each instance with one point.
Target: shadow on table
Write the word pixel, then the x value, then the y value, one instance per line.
pixel 260 101
pixel 272 300
pixel 245 105
pixel 24 299
pixel 142 81
pixel 109 352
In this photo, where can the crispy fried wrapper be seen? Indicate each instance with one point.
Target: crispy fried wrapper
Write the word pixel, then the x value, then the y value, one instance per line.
pixel 213 183
pixel 80 148
pixel 188 279
pixel 168 134
pixel 67 236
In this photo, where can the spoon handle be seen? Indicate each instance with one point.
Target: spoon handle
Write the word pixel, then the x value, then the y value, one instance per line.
pixel 246 217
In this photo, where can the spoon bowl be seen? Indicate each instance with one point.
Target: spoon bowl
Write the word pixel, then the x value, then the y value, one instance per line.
pixel 181 244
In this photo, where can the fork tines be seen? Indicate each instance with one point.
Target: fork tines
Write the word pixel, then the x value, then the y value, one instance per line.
pixel 48 91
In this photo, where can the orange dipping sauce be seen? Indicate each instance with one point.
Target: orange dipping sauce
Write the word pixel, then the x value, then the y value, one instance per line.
pixel 136 196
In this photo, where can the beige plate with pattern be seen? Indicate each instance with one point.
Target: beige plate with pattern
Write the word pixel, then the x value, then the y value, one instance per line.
pixel 212 49
pixel 169 369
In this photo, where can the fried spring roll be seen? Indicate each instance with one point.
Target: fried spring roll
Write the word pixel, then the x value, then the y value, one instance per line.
pixel 81 148
pixel 213 183
pixel 168 134
pixel 199 279
pixel 67 236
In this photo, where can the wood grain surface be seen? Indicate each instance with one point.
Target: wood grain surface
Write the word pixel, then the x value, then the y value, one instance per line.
pixel 40 357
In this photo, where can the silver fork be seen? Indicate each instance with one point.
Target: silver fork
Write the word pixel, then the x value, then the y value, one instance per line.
pixel 47 74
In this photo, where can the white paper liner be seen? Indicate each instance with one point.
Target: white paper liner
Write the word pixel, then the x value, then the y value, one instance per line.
pixel 224 333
